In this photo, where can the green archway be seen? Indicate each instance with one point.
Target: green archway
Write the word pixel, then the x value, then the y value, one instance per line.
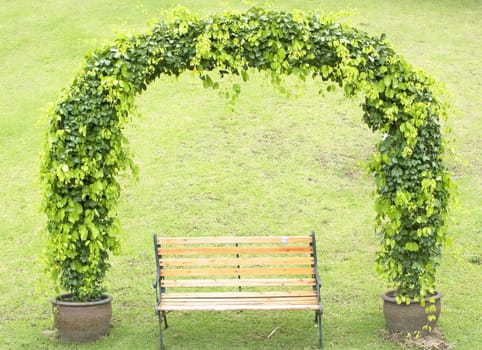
pixel 85 148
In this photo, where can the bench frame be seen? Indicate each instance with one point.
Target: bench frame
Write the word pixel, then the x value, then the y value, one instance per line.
pixel 238 300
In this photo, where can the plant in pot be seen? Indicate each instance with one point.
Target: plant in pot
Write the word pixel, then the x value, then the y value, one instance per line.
pixel 413 191
pixel 84 152
pixel 81 234
pixel 78 261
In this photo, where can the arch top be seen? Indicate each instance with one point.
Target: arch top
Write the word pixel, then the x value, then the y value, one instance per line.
pixel 85 148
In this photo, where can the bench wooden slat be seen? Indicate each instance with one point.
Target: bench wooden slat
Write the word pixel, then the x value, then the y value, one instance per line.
pixel 280 294
pixel 240 300
pixel 234 250
pixel 233 240
pixel 241 261
pixel 280 282
pixel 237 307
pixel 266 271
pixel 240 304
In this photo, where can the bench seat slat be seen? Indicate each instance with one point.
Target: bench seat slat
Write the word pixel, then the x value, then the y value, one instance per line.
pixel 193 283
pixel 266 271
pixel 237 307
pixel 240 300
pixel 241 261
pixel 233 240
pixel 281 294
pixel 234 250
pixel 241 296
pixel 243 301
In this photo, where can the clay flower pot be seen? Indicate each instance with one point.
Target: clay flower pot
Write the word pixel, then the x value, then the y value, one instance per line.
pixel 81 321
pixel 412 317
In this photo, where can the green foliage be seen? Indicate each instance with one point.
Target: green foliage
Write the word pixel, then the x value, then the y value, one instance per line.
pixel 85 149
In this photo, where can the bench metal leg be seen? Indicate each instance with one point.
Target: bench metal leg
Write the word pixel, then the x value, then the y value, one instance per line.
pixel 164 318
pixel 161 340
pixel 320 330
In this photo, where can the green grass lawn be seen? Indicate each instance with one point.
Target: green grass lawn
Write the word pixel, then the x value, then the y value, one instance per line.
pixel 276 165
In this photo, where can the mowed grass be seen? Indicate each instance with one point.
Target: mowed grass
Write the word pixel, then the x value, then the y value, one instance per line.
pixel 274 165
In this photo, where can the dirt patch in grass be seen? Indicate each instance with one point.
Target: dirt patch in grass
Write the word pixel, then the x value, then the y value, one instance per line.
pixel 428 341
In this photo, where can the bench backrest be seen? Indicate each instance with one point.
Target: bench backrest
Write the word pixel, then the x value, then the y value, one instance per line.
pixel 239 263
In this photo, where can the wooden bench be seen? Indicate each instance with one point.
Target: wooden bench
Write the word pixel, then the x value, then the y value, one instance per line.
pixel 235 274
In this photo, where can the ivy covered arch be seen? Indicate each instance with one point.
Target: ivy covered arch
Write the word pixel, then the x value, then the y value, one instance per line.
pixel 85 148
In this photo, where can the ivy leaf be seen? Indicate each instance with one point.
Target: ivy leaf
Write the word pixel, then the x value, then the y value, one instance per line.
pixel 236 88
pixel 83 232
pixel 331 87
pixel 207 81
pixel 412 246
pixel 244 75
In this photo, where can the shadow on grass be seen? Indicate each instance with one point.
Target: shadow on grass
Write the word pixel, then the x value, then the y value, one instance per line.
pixel 242 330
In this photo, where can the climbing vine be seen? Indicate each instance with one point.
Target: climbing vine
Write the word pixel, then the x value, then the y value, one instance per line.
pixel 85 149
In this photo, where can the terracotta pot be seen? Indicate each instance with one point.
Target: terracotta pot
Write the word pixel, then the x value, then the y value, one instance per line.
pixel 81 321
pixel 409 318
